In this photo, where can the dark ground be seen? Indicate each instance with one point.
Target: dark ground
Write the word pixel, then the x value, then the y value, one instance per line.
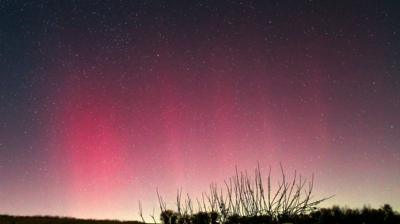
pixel 6 219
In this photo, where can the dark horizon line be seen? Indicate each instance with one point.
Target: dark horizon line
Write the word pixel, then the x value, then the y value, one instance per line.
pixel 137 221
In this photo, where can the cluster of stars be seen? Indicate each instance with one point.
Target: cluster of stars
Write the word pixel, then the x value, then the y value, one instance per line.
pixel 103 101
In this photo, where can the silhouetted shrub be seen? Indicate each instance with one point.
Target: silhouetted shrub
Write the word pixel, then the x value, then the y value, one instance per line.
pixel 244 196
pixel 184 219
pixel 246 200
pixel 214 216
pixel 233 219
pixel 201 218
pixel 169 217
pixel 389 215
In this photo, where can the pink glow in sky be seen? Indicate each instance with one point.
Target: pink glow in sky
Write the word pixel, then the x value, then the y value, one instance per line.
pixel 103 103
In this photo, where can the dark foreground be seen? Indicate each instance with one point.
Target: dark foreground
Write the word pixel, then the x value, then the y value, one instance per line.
pixel 334 215
pixel 6 219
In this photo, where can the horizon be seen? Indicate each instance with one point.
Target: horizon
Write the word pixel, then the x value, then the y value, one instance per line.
pixel 147 218
pixel 103 102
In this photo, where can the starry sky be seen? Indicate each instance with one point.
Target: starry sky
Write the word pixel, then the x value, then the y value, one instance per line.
pixel 101 102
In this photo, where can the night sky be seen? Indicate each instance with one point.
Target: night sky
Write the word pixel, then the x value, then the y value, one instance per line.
pixel 101 102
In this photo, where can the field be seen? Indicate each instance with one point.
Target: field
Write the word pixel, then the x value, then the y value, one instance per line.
pixel 6 219
pixel 334 215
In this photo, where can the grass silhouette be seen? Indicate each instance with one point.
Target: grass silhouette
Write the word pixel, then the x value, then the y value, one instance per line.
pixel 244 199
pixel 245 196
pixel 333 215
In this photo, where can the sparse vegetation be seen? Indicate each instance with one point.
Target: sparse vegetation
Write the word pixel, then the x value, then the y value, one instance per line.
pixel 244 199
pixel 333 215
